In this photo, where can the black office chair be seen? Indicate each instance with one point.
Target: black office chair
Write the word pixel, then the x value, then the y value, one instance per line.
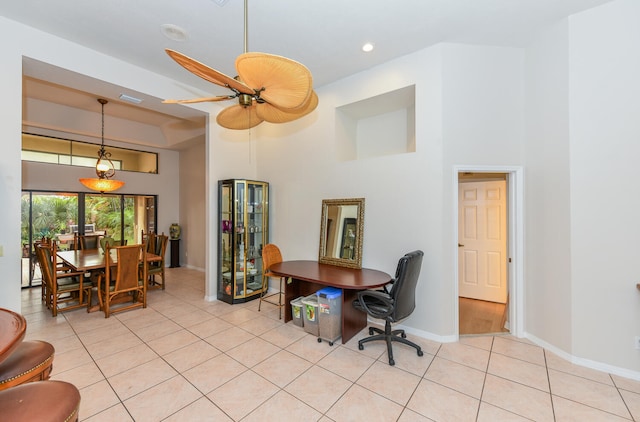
pixel 393 306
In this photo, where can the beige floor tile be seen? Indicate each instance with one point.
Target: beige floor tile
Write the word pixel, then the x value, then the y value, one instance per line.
pixel 345 362
pixel 142 377
pixel 517 398
pixel 243 394
pixel 481 342
pixel 519 371
pixel 238 316
pixel 440 403
pixel 282 368
pixel 456 376
pixel 518 350
pixel 228 339
pixel 409 415
pixel 490 413
pixel 465 355
pixel 155 331
pixel 115 329
pixel 66 344
pixel 174 341
pixel 193 318
pixel 164 371
pixel 202 410
pixel 283 406
pixel 308 348
pixel 113 345
pixel 213 373
pixel 360 404
pixel 209 327
pixel 81 376
pixel 125 360
pixel 407 356
pixel 284 335
pixel 260 325
pixel 626 383
pixel 253 352
pixel 591 393
pixel 555 362
pixel 390 382
pixel 570 411
pixel 114 413
pixel 191 355
pixel 162 400
pixel 318 388
pixel 70 359
pixel 632 400
pixel 96 398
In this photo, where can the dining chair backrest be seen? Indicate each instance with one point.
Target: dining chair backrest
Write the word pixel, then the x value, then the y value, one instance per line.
pixel 149 239
pixel 89 241
pixel 127 268
pixel 55 291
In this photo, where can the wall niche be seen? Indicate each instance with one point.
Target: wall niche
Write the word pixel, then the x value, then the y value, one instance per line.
pixel 377 126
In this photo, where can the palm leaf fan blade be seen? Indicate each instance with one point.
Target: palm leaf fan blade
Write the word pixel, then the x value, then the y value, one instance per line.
pixel 238 117
pixel 200 100
pixel 272 114
pixel 207 73
pixel 287 84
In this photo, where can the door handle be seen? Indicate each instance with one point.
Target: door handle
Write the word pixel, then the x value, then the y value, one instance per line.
pixel 460 245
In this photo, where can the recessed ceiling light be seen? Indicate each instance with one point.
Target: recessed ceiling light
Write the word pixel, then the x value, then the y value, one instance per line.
pixel 173 32
pixel 367 47
pixel 131 99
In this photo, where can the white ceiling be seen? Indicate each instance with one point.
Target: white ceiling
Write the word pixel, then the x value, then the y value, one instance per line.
pixel 326 35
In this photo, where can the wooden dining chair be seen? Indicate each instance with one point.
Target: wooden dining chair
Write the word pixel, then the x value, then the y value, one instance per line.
pixel 124 280
pixel 156 268
pixel 63 286
pixel 88 241
pixel 271 255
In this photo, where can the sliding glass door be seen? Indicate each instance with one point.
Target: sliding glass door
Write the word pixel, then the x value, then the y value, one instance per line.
pixel 58 215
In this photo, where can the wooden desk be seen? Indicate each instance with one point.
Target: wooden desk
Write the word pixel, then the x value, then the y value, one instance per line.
pixel 311 276
pixel 13 326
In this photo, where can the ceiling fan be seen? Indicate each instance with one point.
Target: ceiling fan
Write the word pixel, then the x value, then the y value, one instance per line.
pixel 268 87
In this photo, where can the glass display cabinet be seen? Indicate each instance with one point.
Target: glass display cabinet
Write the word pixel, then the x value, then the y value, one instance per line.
pixel 243 210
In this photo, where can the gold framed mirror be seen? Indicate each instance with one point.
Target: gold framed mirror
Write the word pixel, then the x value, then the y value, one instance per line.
pixel 341 232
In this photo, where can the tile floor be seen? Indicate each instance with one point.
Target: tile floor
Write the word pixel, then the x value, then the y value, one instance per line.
pixel 186 359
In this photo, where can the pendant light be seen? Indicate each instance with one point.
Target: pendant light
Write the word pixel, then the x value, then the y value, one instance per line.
pixel 104 167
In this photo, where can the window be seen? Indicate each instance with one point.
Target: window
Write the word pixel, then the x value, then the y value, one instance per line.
pixel 46 149
pixel 59 215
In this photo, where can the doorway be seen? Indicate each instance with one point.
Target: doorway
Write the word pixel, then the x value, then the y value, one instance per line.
pixel 488 235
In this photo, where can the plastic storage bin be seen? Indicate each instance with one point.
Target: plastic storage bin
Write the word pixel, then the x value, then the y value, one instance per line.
pixel 297 311
pixel 310 314
pixel 329 314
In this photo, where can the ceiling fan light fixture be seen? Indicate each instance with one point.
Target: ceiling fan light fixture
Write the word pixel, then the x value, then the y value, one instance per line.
pixel 268 87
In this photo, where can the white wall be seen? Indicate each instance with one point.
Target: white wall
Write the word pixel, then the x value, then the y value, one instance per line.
pixel 193 207
pixel 548 259
pixel 604 100
pixel 462 116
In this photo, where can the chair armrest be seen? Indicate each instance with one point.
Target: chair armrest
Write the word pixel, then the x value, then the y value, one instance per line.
pixel 376 303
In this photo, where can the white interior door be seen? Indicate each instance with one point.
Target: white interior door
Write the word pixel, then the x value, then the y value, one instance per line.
pixel 482 240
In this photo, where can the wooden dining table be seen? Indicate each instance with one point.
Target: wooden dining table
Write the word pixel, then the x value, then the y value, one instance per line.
pixel 88 260
pixel 93 259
